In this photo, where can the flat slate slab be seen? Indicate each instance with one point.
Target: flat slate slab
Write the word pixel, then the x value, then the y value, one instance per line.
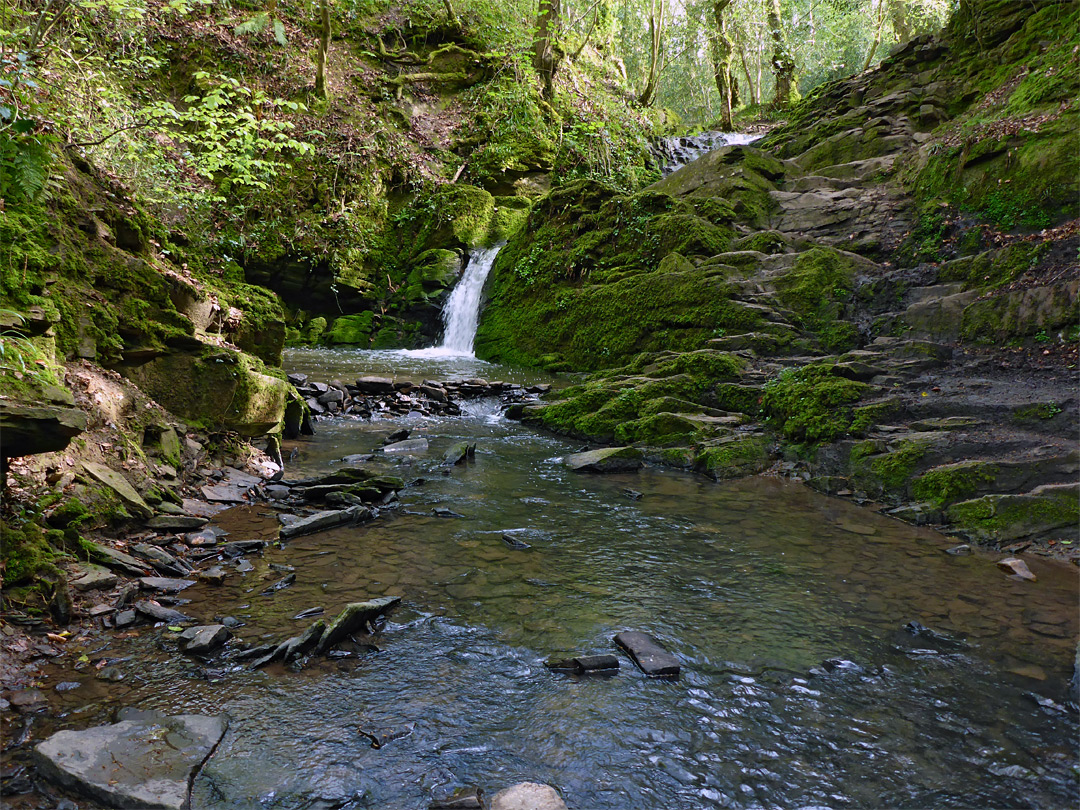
pixel 165 584
pixel 176 522
pixel 606 460
pixel 649 655
pixel 118 484
pixel 147 762
pixel 324 520
pixel 413 446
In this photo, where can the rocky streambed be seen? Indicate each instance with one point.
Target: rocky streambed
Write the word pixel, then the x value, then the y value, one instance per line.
pixel 423 610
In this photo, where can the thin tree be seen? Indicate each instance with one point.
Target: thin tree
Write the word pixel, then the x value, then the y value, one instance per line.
pixel 546 53
pixel 324 48
pixel 783 63
pixel 721 54
pixel 656 31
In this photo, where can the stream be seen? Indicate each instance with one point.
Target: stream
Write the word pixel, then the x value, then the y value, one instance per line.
pixel 753 584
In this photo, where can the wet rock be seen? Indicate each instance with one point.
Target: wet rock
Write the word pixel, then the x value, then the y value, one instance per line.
pixel 119 560
pixel 113 674
pixel 297 378
pixel 215 575
pixel 175 522
pixel 307 614
pixel 606 460
pixel 125 618
pixel 201 539
pixel 355 617
pixel 514 543
pixel 26 701
pixel 357 458
pixel 96 578
pixel 842 665
pixel 277 492
pixel 444 512
pixel 408 447
pixel 225 493
pixel 241 547
pixel 464 798
pixel 585 664
pixel 632 494
pixel 161 614
pixel 1018 567
pixel 527 796
pixel 649 655
pixel 305 642
pixel 148 763
pixel 165 584
pixel 399 435
pixel 204 639
pixel 131 499
pixel 284 582
pixel 459 453
pixel 325 520
pixel 67 686
pixel 961 550
pixel 161 560
pixel 243 566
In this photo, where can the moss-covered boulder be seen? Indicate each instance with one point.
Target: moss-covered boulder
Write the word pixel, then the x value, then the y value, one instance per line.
pixel 216 389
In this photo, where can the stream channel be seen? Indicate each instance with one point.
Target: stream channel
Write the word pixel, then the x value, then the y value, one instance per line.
pixel 752 584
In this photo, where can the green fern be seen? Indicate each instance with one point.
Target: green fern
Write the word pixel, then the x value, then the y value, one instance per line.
pixel 24 167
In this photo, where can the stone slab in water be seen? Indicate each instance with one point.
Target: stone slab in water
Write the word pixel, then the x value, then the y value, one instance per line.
pixel 176 522
pixel 649 655
pixel 375 385
pixel 165 584
pixel 199 640
pixel 324 520
pixel 355 617
pixel 605 460
pixel 144 763
pixel 527 796
pixel 407 446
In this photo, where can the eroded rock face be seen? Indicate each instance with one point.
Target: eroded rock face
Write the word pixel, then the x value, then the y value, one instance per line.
pixel 148 761
pixel 30 429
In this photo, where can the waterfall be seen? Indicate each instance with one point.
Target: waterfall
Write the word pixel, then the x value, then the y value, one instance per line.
pixel 461 314
pixel 674 153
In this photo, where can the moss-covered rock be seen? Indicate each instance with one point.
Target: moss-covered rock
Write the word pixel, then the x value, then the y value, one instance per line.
pixel 216 389
pixel 1046 511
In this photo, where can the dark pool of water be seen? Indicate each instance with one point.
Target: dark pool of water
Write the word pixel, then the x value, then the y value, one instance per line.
pixel 751 584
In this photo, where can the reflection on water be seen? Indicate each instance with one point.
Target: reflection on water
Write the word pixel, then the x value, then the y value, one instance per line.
pixel 751 584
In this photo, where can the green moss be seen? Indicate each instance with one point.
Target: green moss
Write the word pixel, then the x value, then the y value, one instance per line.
pixel 811 404
pixel 354 330
pixel 24 553
pixel 817 289
pixel 953 482
pixel 734 459
pixel 1010 517
pixel 658 429
pixel 1039 412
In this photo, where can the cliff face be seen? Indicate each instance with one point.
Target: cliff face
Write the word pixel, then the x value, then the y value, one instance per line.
pixel 881 294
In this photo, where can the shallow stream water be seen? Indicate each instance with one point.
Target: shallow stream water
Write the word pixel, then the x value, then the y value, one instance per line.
pixel 751 584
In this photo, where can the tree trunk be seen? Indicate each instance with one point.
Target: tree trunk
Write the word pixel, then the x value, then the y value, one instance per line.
pixel 721 54
pixel 880 23
pixel 899 18
pixel 656 29
pixel 783 62
pixel 324 48
pixel 545 52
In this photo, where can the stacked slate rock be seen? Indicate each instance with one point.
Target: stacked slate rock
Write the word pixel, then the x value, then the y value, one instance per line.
pixel 384 396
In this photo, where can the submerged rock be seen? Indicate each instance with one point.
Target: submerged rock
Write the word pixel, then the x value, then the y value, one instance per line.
pixel 527 796
pixel 325 520
pixel 606 460
pixel 1018 567
pixel 148 762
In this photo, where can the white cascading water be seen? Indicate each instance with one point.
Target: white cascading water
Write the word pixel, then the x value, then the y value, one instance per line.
pixel 676 152
pixel 461 314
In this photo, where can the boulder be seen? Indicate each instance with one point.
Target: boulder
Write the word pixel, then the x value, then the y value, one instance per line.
pixel 606 460
pixel 146 762
pixel 204 639
pixel 375 385
pixel 527 796
pixel 458 453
